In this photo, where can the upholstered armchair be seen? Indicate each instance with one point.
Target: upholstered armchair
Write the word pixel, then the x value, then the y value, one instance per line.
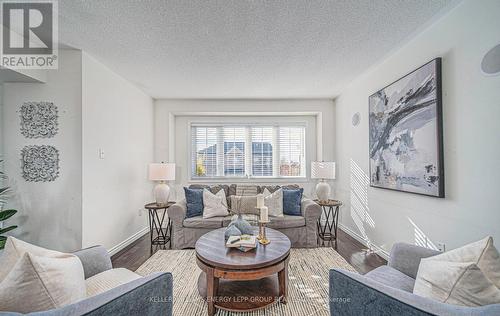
pixel 388 290
pixel 150 295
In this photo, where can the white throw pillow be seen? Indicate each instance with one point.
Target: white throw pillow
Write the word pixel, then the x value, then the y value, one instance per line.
pixel 274 202
pixel 458 283
pixel 483 253
pixel 41 283
pixel 15 249
pixel 214 204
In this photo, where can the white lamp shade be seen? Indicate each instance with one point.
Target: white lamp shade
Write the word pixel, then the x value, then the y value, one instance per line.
pixel 161 171
pixel 323 170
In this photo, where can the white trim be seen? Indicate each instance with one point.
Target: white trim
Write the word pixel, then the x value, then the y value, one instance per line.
pixel 377 249
pixel 114 250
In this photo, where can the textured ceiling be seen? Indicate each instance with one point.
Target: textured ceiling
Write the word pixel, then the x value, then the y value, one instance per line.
pixel 241 49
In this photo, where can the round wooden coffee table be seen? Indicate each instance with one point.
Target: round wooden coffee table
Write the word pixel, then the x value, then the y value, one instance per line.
pixel 240 281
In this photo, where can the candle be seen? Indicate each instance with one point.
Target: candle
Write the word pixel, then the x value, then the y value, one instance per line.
pixel 260 200
pixel 264 214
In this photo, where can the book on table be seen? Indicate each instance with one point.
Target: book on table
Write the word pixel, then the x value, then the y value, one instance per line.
pixel 243 242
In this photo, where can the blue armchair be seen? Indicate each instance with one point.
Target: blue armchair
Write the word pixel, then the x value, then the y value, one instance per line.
pixel 150 295
pixel 387 290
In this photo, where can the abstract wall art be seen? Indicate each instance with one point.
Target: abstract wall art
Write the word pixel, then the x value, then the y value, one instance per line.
pixel 405 126
pixel 40 163
pixel 39 119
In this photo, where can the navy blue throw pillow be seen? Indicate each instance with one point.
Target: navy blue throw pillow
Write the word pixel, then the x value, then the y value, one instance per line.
pixel 194 202
pixel 291 201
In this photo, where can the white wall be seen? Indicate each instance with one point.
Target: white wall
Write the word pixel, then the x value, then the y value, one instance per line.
pixel 471 105
pixel 117 118
pixel 50 213
pixel 172 117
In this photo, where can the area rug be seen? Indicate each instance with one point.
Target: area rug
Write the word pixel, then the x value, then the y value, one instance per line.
pixel 307 286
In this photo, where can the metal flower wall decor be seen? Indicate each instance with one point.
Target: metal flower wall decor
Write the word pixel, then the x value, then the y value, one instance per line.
pixel 39 119
pixel 40 163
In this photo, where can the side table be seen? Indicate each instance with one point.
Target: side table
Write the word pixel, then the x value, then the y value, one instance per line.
pixel 163 235
pixel 328 230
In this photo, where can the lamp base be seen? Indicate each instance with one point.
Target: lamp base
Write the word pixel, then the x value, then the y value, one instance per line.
pixel 323 191
pixel 161 193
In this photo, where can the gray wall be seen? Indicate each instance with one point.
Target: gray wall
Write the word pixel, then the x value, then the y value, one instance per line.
pixel 50 213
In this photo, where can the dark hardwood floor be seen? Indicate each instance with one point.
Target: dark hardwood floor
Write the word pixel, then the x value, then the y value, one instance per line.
pixel 352 250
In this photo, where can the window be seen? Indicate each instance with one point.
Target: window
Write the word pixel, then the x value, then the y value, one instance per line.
pixel 247 151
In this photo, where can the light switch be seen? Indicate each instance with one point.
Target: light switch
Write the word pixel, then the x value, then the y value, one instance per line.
pixel 101 153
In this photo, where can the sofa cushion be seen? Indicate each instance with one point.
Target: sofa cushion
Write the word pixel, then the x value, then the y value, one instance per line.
pixel 246 189
pixel 200 222
pixel 108 280
pixel 194 202
pixel 251 218
pixel 272 188
pixel 392 277
pixel 38 283
pixel 287 221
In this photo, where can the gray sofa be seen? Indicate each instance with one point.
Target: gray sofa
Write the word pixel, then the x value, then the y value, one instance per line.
pixel 301 230
pixel 387 290
pixel 150 295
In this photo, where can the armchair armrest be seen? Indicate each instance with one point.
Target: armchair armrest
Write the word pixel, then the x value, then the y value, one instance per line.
pixel 310 209
pixel 177 212
pixel 150 295
pixel 94 260
pixel 355 294
pixel 406 258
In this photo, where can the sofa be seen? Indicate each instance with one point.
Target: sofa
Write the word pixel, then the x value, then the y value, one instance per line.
pixel 387 290
pixel 150 295
pixel 301 230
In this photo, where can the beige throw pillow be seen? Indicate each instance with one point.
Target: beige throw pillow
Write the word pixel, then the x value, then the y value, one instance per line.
pixel 244 204
pixel 214 204
pixel 483 253
pixel 15 249
pixel 41 283
pixel 458 283
pixel 274 202
pixel 469 275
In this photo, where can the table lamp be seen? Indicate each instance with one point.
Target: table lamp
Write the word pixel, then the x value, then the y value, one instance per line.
pixel 161 172
pixel 323 170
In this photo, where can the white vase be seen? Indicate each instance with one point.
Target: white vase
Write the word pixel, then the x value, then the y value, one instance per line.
pixel 161 193
pixel 323 191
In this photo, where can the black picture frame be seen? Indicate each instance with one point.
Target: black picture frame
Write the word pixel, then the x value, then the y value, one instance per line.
pixel 440 191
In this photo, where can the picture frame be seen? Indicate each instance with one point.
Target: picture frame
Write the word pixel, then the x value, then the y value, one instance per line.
pixel 406 133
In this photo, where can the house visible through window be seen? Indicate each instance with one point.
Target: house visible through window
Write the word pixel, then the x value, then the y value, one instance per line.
pixel 247 151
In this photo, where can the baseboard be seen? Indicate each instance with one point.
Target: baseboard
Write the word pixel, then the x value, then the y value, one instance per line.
pixel 378 250
pixel 114 250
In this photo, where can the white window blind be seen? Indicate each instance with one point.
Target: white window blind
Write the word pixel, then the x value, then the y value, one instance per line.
pixel 247 151
pixel 292 157
pixel 262 151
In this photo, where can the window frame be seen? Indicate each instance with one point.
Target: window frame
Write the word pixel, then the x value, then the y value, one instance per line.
pixel 276 177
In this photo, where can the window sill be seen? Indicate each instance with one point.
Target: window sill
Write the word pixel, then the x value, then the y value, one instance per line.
pixel 250 180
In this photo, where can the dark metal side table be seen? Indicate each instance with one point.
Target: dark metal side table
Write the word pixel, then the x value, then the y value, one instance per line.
pixel 163 235
pixel 328 230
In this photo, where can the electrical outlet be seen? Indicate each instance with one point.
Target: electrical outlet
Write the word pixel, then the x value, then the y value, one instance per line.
pixel 441 246
pixel 140 212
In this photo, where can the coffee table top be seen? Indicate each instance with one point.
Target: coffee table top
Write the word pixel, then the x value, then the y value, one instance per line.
pixel 211 249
